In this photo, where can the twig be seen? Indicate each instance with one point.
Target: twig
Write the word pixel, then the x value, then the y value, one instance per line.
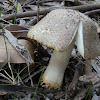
pixel 45 1
pixel 80 95
pixel 82 8
pixel 88 69
pixel 81 2
pixel 34 21
pixel 93 12
pixel 73 85
pixel 9 89
pixel 92 77
pixel 38 10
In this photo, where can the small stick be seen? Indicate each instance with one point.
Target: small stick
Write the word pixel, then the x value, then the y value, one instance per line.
pixel 45 1
pixel 93 12
pixel 38 10
pixel 73 85
pixel 88 69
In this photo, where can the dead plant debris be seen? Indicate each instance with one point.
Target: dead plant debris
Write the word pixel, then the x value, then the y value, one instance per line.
pixel 18 80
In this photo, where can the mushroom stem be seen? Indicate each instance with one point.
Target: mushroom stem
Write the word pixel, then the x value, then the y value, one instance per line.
pixel 53 76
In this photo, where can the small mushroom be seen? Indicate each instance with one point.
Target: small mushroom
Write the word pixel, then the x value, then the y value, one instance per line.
pixel 58 30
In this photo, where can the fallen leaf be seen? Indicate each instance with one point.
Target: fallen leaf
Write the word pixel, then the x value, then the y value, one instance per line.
pixel 13 55
pixel 17 30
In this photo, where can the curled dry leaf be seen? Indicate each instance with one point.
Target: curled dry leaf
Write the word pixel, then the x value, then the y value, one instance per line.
pixel 23 51
pixel 13 55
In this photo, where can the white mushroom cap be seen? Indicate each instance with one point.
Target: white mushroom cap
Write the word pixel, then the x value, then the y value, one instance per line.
pixel 57 28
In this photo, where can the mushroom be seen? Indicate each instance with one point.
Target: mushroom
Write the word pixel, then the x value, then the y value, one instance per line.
pixel 59 30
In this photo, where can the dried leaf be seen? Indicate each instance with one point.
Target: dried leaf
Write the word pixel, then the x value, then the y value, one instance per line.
pixel 8 5
pixel 23 51
pixel 17 30
pixel 13 55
